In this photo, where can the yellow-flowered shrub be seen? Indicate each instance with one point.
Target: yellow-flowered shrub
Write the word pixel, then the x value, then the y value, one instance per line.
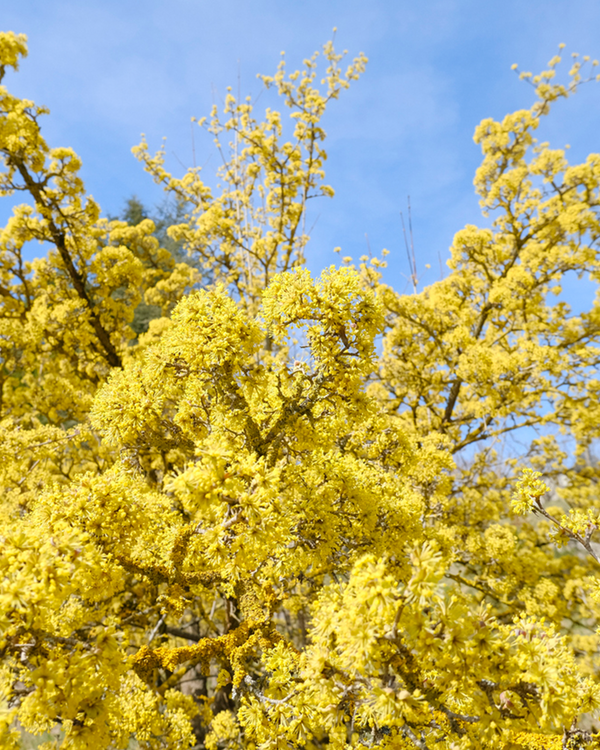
pixel 244 527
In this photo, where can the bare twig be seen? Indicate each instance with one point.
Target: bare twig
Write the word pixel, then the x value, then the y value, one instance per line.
pixel 156 629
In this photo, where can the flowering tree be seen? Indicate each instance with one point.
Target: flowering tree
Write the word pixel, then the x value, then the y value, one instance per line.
pixel 211 541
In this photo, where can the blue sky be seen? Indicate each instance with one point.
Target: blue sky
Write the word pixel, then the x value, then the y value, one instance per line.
pixel 111 70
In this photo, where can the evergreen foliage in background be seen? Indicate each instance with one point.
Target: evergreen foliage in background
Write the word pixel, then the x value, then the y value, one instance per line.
pixel 167 214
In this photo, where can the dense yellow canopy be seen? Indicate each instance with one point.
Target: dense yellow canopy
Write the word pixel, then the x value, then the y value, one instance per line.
pixel 244 527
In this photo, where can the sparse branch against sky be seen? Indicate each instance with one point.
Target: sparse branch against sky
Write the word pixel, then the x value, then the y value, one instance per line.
pixel 111 70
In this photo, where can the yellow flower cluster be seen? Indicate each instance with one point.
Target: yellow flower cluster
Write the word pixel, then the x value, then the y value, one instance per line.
pixel 244 528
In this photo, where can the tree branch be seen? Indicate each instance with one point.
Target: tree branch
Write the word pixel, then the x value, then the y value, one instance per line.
pixel 58 237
